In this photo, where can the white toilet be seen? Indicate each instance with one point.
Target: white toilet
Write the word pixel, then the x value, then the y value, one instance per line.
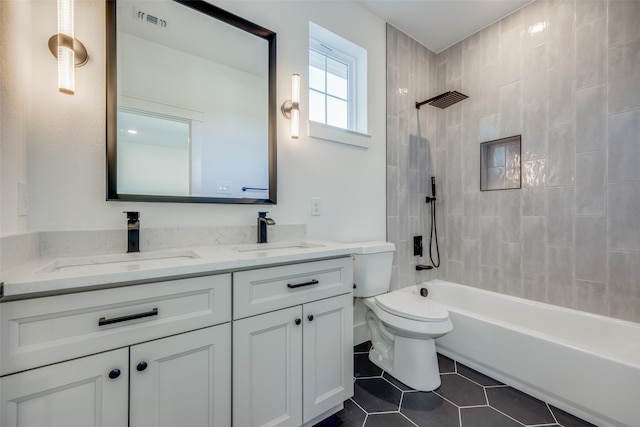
pixel 403 324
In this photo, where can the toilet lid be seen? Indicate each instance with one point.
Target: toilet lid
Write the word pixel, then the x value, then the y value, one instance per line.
pixel 411 306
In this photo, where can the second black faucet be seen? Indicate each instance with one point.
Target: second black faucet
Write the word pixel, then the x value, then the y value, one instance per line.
pixel 263 222
pixel 133 231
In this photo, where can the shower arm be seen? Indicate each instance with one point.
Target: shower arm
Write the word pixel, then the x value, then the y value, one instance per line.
pixel 420 104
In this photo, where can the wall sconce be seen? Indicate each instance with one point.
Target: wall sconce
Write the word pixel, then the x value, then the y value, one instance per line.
pixel 291 108
pixel 70 52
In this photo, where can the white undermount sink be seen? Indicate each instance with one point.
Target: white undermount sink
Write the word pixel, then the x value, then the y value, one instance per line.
pixel 133 260
pixel 279 246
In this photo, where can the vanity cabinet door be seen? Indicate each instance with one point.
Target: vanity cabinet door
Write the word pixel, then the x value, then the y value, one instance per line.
pixel 267 369
pixel 183 380
pixel 328 358
pixel 90 391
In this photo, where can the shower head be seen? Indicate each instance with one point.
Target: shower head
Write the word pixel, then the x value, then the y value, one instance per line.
pixel 444 100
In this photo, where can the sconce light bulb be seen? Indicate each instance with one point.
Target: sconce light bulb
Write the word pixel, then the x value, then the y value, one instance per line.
pixel 66 74
pixel 295 123
pixel 295 106
pixel 66 54
pixel 291 108
pixel 295 88
pixel 65 17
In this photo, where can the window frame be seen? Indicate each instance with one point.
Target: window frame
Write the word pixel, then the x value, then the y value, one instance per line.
pixel 330 51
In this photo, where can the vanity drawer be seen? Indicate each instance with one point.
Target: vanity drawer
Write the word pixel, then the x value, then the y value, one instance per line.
pixel 46 330
pixel 272 288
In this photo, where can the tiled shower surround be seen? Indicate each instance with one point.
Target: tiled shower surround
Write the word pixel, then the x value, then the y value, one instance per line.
pixel 566 76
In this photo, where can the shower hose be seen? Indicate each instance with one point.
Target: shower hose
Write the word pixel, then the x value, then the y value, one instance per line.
pixel 434 232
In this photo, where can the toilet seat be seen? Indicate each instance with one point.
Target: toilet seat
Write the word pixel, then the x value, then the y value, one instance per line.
pixel 411 306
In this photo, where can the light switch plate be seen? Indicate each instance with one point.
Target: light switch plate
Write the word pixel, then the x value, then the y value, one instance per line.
pixel 23 199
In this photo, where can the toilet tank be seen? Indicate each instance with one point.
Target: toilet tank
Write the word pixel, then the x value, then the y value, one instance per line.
pixel 372 269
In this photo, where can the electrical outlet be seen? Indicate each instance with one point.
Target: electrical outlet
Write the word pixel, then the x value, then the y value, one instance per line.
pixel 417 245
pixel 316 206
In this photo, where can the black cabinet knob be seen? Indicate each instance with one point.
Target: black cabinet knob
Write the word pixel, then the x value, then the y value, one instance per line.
pixel 310 317
pixel 298 321
pixel 141 366
pixel 115 373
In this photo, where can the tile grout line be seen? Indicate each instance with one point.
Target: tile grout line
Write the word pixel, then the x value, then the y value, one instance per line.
pixel 408 419
pixel 552 413
pixel 387 380
pixel 401 400
pixel 383 412
pixel 508 416
pixel 486 396
pixel 369 378
pixel 444 398
pixel 543 425
pixel 475 406
pixel 361 408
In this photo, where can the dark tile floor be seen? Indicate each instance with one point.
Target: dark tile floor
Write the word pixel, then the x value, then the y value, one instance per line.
pixel 466 398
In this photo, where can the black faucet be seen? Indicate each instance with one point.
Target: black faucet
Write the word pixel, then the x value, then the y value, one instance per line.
pixel 263 221
pixel 133 231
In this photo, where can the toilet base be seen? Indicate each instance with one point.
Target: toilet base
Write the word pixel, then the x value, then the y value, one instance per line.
pixel 413 362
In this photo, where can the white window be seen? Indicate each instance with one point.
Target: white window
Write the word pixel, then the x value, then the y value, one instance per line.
pixel 337 81
pixel 330 93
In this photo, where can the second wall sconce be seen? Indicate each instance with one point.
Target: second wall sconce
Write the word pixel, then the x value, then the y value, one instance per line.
pixel 291 108
pixel 70 52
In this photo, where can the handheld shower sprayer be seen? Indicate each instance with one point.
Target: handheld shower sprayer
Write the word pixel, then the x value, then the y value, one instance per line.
pixel 433 187
pixel 433 190
pixel 434 230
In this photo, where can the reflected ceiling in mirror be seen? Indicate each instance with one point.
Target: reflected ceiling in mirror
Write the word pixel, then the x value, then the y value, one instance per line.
pixel 191 106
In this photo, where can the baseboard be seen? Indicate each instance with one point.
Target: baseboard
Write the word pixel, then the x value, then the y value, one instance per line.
pixel 360 333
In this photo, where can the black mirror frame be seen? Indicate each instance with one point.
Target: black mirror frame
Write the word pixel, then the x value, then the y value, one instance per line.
pixel 111 72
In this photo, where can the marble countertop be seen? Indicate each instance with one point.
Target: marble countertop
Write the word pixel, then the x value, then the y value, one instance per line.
pixel 58 275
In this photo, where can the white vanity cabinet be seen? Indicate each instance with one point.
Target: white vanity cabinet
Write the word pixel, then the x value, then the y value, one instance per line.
pixel 77 393
pixel 292 343
pixel 263 345
pixel 183 380
pixel 157 354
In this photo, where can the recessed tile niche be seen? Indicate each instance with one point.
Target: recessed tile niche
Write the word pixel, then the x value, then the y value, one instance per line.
pixel 500 164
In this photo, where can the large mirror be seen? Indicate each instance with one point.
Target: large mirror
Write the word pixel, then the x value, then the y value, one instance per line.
pixel 191 105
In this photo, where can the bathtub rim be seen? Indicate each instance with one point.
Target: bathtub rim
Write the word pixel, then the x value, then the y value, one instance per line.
pixel 533 332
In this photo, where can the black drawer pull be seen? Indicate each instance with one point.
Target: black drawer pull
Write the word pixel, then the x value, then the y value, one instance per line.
pixel 104 321
pixel 299 285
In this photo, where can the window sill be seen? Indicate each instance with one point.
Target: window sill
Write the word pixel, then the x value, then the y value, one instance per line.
pixel 343 136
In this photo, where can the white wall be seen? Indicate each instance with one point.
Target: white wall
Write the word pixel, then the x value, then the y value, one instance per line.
pixel 65 143
pixel 14 110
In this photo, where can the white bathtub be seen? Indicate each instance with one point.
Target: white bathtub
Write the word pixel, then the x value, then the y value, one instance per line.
pixel 585 364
